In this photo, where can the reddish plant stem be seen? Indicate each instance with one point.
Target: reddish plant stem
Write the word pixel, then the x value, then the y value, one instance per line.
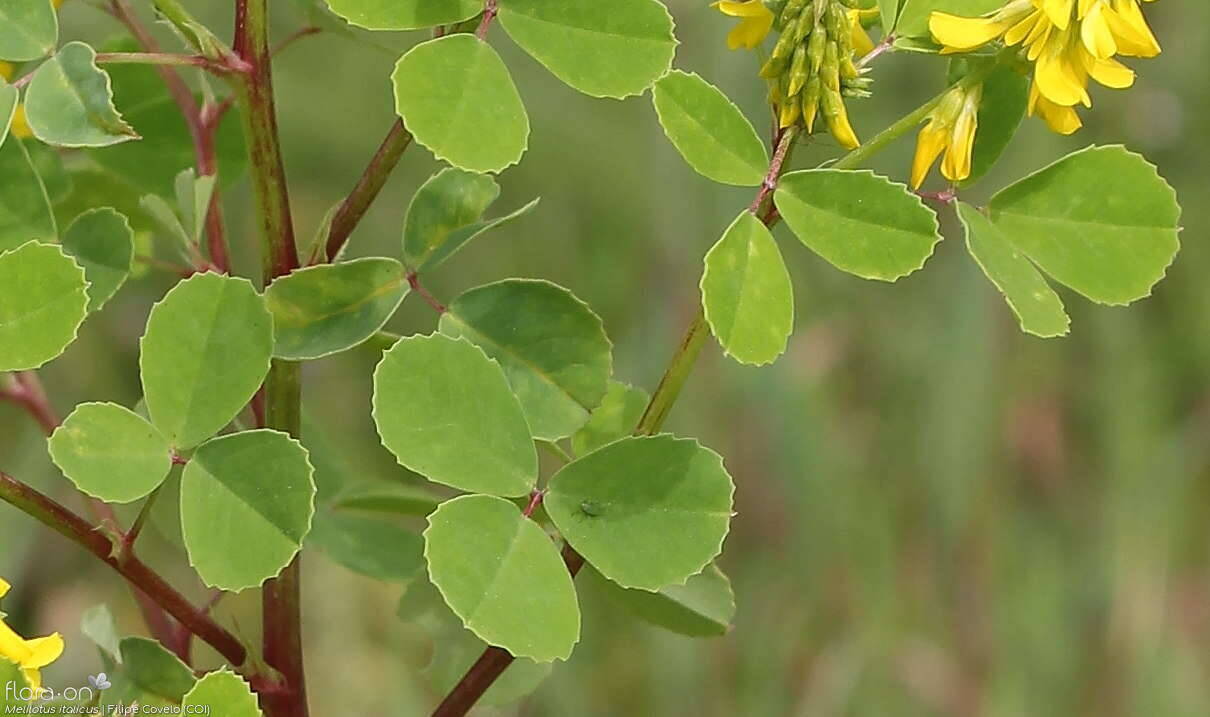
pixel 490 9
pixel 26 390
pixel 95 541
pixel 371 182
pixel 281 598
pixel 295 37
pixel 201 125
pixel 422 292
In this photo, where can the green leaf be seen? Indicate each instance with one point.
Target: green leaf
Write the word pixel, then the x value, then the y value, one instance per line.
pixel 150 675
pixel 647 512
pixel 613 49
pixel 246 505
pixel 388 497
pixel 223 694
pixel 709 131
pixel 746 293
pixel 502 575
pixel 1037 306
pixel 457 99
pixel 326 309
pixel 103 243
pixel 43 302
pixel 377 548
pixel 445 214
pixel 445 410
pixel 9 98
pixel 455 649
pixel 450 200
pixel 405 14
pixel 98 625
pixel 25 211
pixel 914 19
pixel 702 607
pixel 615 418
pixel 862 223
pixel 152 163
pixel 110 452
pixel 1005 96
pixel 193 195
pixel 69 102
pixel 1101 221
pixel 29 29
pixel 552 347
pixel 205 353
pixel 889 13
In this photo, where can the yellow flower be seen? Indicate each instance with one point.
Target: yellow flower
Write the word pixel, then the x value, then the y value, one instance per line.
pixel 862 44
pixel 20 127
pixel 1069 42
pixel 754 26
pixel 30 655
pixel 951 129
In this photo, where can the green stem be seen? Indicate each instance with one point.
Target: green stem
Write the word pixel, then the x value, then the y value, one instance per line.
pixel 368 186
pixel 281 598
pixel 679 368
pixel 883 139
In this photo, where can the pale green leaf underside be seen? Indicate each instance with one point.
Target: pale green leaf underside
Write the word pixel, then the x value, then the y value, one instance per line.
pixel 110 452
pixel 205 353
pixel 69 102
pixel 914 18
pixel 223 693
pixel 1100 221
pixel 702 607
pixel 247 500
pixel 457 99
pixel 747 294
pixel 647 512
pixel 326 309
pixel 445 410
pixel 388 497
pixel 25 212
pixel 1037 306
pixel 709 131
pixel 614 49
pixel 615 418
pixel 43 302
pixel 552 347
pixel 102 241
pixel 150 675
pixel 888 13
pixel 450 200
pixel 29 29
pixel 368 545
pixel 862 223
pixel 502 575
pixel 404 14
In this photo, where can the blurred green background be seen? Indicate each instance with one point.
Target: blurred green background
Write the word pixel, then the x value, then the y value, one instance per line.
pixel 938 515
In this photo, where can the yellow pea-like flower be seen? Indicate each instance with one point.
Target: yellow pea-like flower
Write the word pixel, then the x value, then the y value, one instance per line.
pixel 29 655
pixel 1070 43
pixel 756 21
pixel 950 130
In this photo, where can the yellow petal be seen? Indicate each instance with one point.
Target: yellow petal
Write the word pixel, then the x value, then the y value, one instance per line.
pixel 1130 29
pixel 1063 120
pixel 4 586
pixel 12 646
pixel 862 44
pixel 1059 80
pixel 957 163
pixel 929 145
pixel 843 131
pixel 751 8
pixel 20 128
pixel 753 28
pixel 965 33
pixel 1111 73
pixel 6 71
pixel 33 678
pixel 1059 12
pixel 1096 34
pixel 43 651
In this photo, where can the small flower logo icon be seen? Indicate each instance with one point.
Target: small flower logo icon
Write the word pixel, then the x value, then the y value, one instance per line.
pixel 99 681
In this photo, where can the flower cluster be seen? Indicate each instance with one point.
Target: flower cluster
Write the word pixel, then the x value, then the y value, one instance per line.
pixel 29 655
pixel 1069 42
pixel 811 68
